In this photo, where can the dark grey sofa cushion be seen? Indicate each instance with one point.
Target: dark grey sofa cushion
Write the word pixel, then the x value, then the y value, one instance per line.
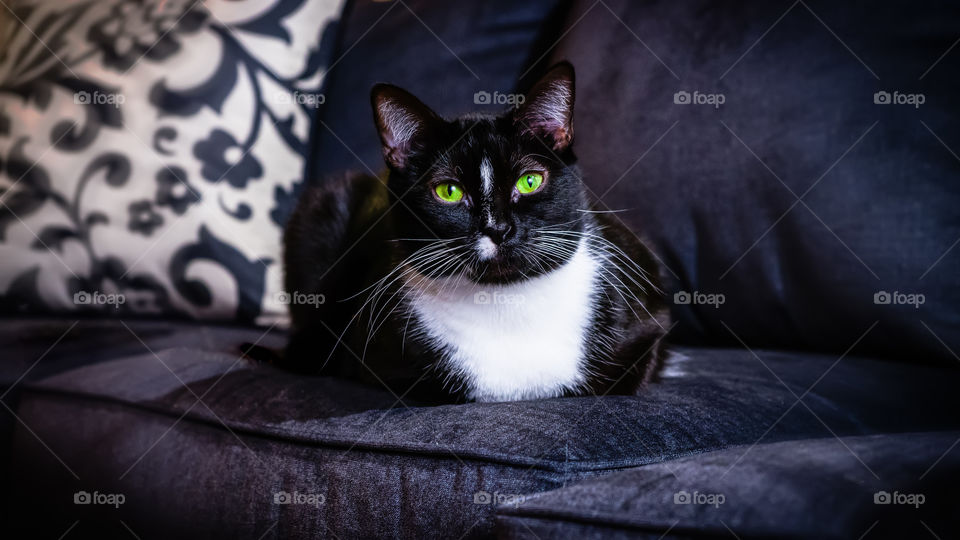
pixel 34 348
pixel 130 426
pixel 883 486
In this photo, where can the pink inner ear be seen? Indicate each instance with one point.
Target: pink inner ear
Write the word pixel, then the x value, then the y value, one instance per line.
pixel 394 152
pixel 548 114
pixel 398 126
pixel 562 138
pixel 395 156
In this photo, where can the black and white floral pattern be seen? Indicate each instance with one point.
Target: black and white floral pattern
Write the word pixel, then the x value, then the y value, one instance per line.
pixel 152 149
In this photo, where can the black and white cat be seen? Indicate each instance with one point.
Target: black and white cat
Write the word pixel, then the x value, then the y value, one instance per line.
pixel 476 271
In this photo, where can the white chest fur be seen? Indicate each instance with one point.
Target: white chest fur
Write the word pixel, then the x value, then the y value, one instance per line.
pixel 518 341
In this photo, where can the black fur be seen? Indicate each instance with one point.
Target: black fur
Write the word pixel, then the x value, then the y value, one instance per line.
pixel 346 235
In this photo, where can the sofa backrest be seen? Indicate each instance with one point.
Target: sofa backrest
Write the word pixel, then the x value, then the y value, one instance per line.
pixel 795 165
pixel 799 159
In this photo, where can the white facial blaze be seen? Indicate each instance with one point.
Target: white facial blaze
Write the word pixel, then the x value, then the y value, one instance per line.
pixel 486 175
pixel 486 178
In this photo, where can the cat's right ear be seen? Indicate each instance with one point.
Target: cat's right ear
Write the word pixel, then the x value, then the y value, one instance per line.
pixel 547 110
pixel 401 120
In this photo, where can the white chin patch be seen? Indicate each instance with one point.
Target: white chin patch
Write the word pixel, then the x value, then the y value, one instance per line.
pixel 486 248
pixel 522 340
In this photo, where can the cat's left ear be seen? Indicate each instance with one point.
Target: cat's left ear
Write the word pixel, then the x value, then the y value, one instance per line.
pixel 547 110
pixel 402 121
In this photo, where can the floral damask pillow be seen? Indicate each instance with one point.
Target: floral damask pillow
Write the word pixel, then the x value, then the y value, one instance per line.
pixel 150 151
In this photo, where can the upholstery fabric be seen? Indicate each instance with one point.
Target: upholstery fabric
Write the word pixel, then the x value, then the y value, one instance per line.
pixel 33 349
pixel 882 486
pixel 363 463
pixel 821 103
pixel 151 150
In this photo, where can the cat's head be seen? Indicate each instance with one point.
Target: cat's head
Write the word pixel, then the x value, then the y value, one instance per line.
pixel 494 198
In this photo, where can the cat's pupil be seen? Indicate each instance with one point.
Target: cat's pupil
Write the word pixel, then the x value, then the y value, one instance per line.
pixel 450 189
pixel 529 180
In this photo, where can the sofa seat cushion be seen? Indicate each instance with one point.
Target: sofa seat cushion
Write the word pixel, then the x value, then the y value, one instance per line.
pixel 229 438
pixel 33 348
pixel 880 486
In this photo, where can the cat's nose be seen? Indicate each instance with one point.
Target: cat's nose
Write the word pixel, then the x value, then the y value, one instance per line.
pixel 498 232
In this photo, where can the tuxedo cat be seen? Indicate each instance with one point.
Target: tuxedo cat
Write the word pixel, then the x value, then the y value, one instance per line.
pixel 475 270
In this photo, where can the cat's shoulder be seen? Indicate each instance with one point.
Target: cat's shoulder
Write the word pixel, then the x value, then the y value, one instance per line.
pixel 348 192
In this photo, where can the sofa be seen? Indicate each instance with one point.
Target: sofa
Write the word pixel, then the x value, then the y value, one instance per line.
pixel 792 164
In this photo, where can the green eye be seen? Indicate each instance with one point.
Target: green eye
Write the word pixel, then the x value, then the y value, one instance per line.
pixel 529 182
pixel 449 192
